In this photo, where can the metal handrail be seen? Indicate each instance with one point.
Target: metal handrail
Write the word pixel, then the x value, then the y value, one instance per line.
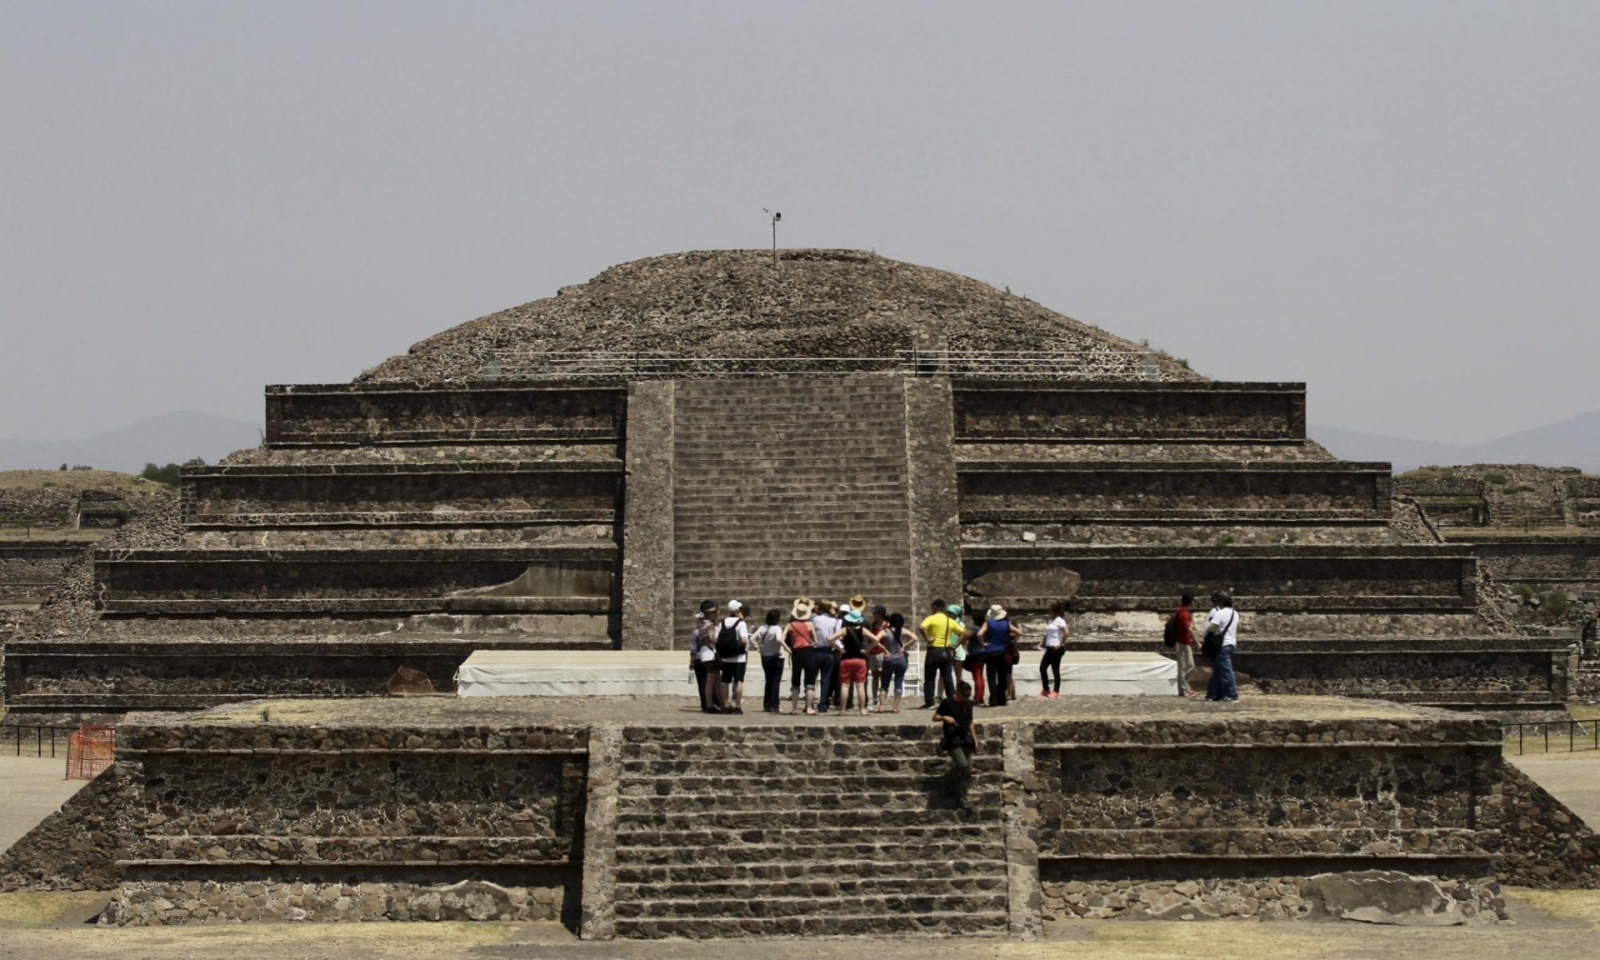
pixel 1580 734
pixel 19 733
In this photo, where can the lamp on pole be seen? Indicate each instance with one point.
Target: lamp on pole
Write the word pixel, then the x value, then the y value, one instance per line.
pixel 775 218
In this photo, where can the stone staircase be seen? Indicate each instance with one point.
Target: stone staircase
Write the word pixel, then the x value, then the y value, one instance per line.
pixel 790 487
pixel 756 831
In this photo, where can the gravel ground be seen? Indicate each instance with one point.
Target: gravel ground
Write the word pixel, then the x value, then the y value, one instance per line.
pixel 1551 926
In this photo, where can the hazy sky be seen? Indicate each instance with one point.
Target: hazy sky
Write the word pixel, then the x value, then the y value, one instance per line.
pixel 1396 202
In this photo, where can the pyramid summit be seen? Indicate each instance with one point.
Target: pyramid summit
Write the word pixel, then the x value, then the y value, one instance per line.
pixel 740 304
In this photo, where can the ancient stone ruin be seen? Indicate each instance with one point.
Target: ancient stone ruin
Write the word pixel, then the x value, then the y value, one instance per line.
pixel 581 471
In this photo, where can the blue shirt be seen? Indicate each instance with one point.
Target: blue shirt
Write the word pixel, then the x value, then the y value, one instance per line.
pixel 999 631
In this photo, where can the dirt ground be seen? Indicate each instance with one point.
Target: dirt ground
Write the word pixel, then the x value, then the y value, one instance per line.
pixel 1550 926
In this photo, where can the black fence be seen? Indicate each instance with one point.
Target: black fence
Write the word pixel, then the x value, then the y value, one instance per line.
pixel 1553 736
pixel 25 740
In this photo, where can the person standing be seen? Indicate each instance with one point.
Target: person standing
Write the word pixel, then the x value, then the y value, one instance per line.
pixel 769 643
pixel 968 654
pixel 853 662
pixel 1055 647
pixel 876 624
pixel 995 639
pixel 800 635
pixel 825 625
pixel 895 661
pixel 1222 623
pixel 703 658
pixel 955 719
pixel 941 632
pixel 1180 636
pixel 733 650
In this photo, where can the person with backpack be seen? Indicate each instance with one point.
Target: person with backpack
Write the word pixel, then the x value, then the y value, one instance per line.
pixel 996 641
pixel 769 642
pixel 733 652
pixel 1055 647
pixel 896 659
pixel 1222 639
pixel 853 662
pixel 1179 638
pixel 703 658
pixel 800 637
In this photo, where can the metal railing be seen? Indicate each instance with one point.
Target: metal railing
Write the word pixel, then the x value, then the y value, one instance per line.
pixel 1553 736
pixel 513 364
pixel 34 740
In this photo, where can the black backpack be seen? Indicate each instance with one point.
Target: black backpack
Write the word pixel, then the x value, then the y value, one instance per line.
pixel 1173 631
pixel 728 645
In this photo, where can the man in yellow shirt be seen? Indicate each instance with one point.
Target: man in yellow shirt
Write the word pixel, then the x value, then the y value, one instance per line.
pixel 942 632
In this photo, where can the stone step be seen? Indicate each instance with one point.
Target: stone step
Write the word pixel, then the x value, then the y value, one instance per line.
pixel 879 818
pixel 934 796
pixel 939 885
pixel 954 849
pixel 773 907
pixel 822 833
pixel 968 923
pixel 903 748
pixel 896 870
pixel 907 732
pixel 755 786
pixel 787 768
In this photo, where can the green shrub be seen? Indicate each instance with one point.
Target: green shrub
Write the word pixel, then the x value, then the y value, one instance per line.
pixel 1554 605
pixel 1523 590
pixel 1498 479
pixel 168 474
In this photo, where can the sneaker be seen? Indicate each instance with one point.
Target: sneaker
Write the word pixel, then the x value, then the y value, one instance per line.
pixel 1055 694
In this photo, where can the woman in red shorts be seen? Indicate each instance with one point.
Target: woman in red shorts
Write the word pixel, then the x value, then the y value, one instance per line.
pixel 853 663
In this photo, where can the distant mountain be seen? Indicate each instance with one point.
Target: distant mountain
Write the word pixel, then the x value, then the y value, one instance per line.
pixel 1569 443
pixel 169 438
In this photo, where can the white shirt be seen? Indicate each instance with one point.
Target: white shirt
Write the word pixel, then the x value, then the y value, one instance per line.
pixel 825 627
pixel 1226 620
pixel 1054 632
pixel 743 631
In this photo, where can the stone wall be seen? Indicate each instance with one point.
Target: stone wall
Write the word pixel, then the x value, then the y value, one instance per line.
pixel 648 533
pixel 1476 671
pixel 337 414
pixel 428 494
pixel 537 578
pixel 1132 412
pixel 1176 492
pixel 1397 579
pixel 295 821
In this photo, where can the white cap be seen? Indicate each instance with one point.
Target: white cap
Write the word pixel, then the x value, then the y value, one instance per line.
pixel 735 606
pixel 845 608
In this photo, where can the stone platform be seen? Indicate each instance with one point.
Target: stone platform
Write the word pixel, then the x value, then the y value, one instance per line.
pixel 578 673
pixel 642 817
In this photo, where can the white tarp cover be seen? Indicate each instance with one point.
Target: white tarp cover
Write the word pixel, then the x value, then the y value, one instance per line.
pixel 588 673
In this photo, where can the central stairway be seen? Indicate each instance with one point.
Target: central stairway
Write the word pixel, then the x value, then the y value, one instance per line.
pixel 790 486
pixel 824 830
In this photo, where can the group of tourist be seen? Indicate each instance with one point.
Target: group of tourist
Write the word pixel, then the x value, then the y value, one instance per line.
pixel 854 656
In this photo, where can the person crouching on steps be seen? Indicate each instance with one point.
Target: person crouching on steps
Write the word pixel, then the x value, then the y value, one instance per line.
pixel 955 719
pixel 733 650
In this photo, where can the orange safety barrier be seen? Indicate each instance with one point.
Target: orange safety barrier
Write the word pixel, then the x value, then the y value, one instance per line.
pixel 91 751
